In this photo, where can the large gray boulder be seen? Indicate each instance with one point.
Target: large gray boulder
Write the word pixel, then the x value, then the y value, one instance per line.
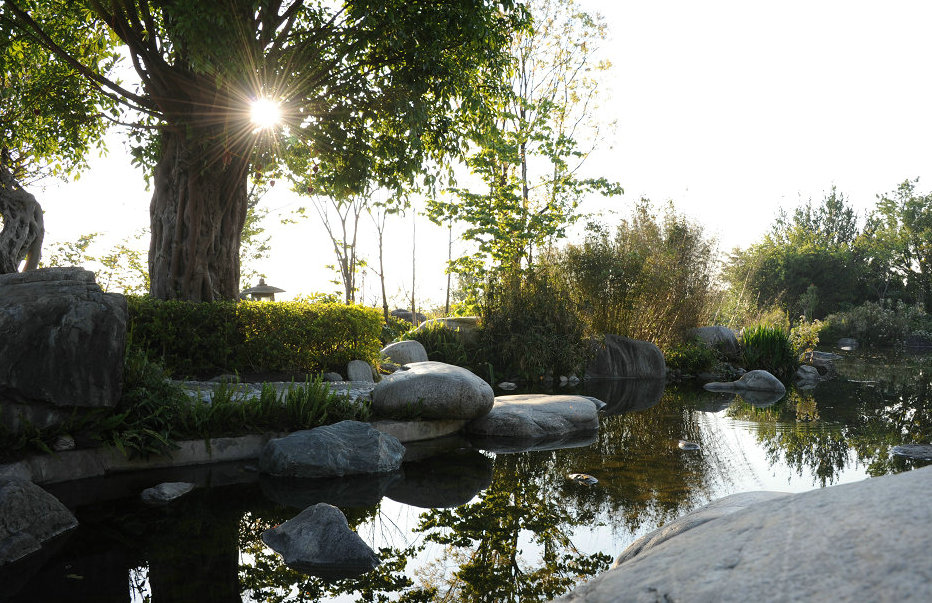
pixel 319 541
pixel 756 380
pixel 432 390
pixel 718 338
pixel 622 357
pixel 408 316
pixel 61 345
pixel 29 516
pixel 866 541
pixel 344 448
pixel 404 352
pixel 537 416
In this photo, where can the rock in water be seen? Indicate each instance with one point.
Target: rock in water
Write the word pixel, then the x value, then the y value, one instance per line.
pixel 622 357
pixel 319 541
pixel 344 448
pixel 537 416
pixel 752 380
pixel 582 478
pixel 405 352
pixel 29 516
pixel 432 390
pixel 687 445
pixel 61 345
pixel 166 492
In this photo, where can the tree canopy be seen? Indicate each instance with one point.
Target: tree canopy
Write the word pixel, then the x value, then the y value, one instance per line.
pixel 369 90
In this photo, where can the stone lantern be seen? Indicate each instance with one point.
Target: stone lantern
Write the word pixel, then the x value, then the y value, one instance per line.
pixel 261 292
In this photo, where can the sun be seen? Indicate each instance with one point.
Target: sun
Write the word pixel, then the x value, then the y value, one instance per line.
pixel 265 113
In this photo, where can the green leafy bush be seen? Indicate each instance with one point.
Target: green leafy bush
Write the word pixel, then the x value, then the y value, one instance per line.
pixel 768 348
pixel 878 324
pixel 530 327
pixel 691 357
pixel 202 339
pixel 804 337
pixel 445 345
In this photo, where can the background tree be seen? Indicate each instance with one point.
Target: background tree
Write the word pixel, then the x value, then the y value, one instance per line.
pixel 811 263
pixel 527 141
pixel 358 79
pixel 900 233
pixel 50 118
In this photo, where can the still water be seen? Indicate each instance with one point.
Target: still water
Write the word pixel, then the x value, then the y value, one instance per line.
pixel 468 523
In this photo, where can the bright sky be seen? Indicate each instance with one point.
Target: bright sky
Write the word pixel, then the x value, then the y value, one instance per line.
pixel 732 109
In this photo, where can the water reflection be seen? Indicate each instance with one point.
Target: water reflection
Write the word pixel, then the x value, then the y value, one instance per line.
pixel 462 524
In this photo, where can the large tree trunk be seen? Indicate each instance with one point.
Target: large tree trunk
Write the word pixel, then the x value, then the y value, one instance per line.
pixel 23 226
pixel 198 210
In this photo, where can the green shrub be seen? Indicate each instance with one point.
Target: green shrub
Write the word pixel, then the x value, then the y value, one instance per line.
pixel 530 327
pixel 768 348
pixel 878 324
pixel 804 337
pixel 202 339
pixel 445 345
pixel 651 279
pixel 394 329
pixel 691 357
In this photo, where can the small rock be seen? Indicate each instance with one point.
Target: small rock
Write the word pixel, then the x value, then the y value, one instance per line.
pixel 687 445
pixel 582 478
pixel 807 373
pixel 166 493
pixel 573 380
pixel 332 377
pixel 507 385
pixel 359 370
pixel 319 541
pixel 63 443
pixel 564 380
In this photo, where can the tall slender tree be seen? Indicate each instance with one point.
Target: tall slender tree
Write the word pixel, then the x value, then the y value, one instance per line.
pixel 366 82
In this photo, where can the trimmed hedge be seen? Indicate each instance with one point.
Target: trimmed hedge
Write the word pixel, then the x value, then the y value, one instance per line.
pixel 204 339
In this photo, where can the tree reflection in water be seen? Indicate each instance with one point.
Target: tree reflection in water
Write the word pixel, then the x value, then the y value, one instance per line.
pixel 845 423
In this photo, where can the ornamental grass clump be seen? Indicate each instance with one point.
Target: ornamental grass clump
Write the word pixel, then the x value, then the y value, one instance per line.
pixel 768 348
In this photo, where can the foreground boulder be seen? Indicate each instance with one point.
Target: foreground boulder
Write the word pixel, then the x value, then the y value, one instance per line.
pixel 537 417
pixel 866 541
pixel 61 345
pixel 621 357
pixel 319 541
pixel 432 390
pixel 344 448
pixel 718 338
pixel 29 516
pixel 752 380
pixel 404 352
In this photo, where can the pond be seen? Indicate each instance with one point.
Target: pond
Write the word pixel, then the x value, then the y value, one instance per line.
pixel 488 525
